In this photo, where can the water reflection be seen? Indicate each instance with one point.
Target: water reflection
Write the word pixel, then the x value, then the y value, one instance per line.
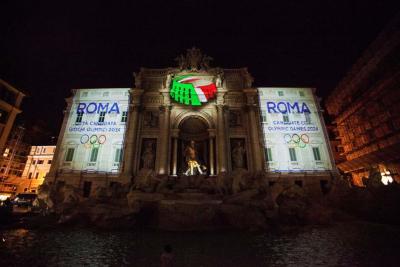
pixel 356 244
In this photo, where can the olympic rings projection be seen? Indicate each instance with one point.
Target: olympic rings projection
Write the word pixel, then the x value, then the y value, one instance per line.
pixel 296 139
pixel 93 140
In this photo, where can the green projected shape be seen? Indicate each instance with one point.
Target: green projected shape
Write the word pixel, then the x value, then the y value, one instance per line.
pixel 192 90
pixel 184 93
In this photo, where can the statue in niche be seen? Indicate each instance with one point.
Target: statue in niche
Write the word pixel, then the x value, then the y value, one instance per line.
pixel 191 160
pixel 150 120
pixel 148 155
pixel 238 154
pixel 138 81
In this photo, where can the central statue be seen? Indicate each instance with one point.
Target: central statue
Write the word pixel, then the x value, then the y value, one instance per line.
pixel 191 159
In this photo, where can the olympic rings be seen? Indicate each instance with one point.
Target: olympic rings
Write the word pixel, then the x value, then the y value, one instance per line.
pixel 93 140
pixel 305 138
pixel 102 139
pixel 298 140
pixel 84 139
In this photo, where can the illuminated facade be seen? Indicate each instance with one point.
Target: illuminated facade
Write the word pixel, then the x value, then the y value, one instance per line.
pixel 366 111
pixel 36 168
pixel 110 135
pixel 10 103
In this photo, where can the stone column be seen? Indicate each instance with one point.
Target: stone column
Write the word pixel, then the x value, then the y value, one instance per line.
pixel 175 135
pixel 131 136
pixel 165 110
pixel 254 127
pixel 211 151
pixel 221 140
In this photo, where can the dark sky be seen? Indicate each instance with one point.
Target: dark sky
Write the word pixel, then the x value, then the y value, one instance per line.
pixel 47 49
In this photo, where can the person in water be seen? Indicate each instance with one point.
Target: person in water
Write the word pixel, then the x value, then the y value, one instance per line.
pixel 167 257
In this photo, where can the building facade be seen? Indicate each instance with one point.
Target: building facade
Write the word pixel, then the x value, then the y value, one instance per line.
pixel 10 103
pixel 366 111
pixel 13 160
pixel 36 168
pixel 111 135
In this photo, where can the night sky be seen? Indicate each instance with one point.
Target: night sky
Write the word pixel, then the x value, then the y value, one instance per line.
pixel 48 49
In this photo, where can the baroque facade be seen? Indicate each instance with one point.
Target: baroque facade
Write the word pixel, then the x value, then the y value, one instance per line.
pixel 167 109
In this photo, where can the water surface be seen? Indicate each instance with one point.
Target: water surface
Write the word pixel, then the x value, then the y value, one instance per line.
pixel 350 244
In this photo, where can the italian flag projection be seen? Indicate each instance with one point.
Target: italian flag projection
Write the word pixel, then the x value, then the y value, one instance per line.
pixel 192 90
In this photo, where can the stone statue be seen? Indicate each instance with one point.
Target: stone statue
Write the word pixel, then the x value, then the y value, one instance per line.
pixel 248 80
pixel 194 57
pixel 193 60
pixel 138 82
pixel 238 155
pixel 168 81
pixel 218 81
pixel 205 62
pixel 191 159
pixel 234 119
pixel 148 156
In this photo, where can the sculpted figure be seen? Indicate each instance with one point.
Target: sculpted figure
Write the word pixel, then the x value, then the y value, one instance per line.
pixel 191 159
pixel 148 156
pixel 218 81
pixel 168 81
pixel 138 82
pixel 238 155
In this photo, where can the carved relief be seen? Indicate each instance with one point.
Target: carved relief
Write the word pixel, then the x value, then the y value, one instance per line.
pixel 193 60
pixel 150 119
pixel 155 99
pixel 235 118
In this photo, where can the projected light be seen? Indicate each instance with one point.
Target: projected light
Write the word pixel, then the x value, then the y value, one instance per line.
pixel 192 90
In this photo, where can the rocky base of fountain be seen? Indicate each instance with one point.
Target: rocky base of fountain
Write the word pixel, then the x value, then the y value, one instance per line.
pixel 238 201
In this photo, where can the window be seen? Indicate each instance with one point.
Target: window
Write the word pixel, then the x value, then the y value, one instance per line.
pixel 268 154
pixel 70 154
pixel 301 93
pixel 292 153
pixel 102 116
pixel 36 175
pixel 124 116
pixel 30 175
pixel 118 155
pixel 285 118
pixel 280 93
pixel 79 117
pixel 33 161
pixel 93 154
pixel 40 162
pixel 317 155
pixel 308 117
pixel 49 161
pixel 263 116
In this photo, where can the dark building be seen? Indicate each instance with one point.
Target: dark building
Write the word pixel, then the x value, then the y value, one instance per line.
pixel 365 107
